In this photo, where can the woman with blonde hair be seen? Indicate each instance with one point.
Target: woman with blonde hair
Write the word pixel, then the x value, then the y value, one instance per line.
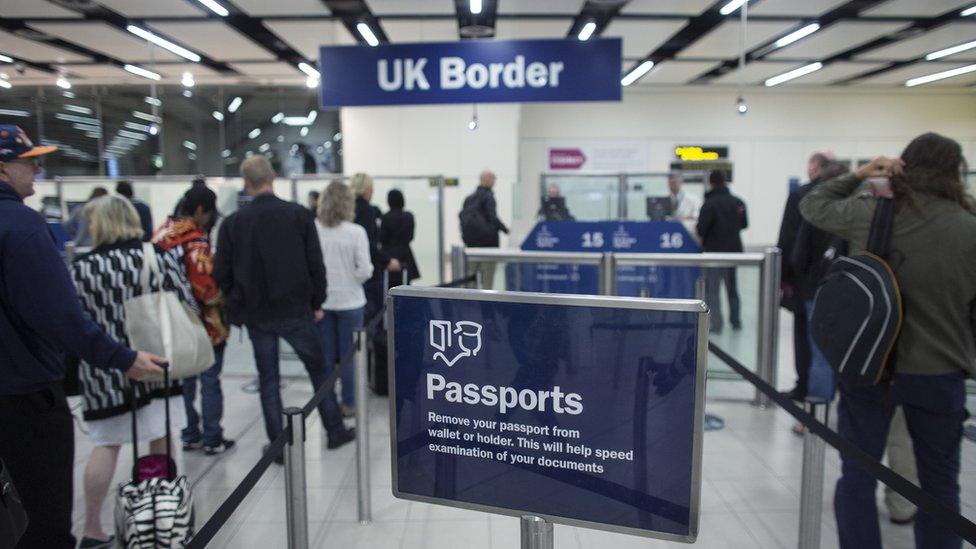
pixel 106 278
pixel 345 249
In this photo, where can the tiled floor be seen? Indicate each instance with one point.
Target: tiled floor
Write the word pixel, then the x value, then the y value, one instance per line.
pixel 750 490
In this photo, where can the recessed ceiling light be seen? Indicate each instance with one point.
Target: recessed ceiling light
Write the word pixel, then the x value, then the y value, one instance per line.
pixel 637 73
pixel 795 73
pixel 163 43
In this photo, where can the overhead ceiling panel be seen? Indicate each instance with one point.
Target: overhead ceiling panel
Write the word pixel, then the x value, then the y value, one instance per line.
pixel 802 8
pixel 940 38
pixel 834 72
pixel 668 7
pixel 835 39
pixel 260 8
pixel 28 10
pixel 177 69
pixel 916 8
pixel 550 7
pixel 411 7
pixel 266 69
pixel 431 30
pixel 899 76
pixel 756 72
pixel 100 70
pixel 106 39
pixel 673 72
pixel 532 28
pixel 8 73
pixel 641 37
pixel 30 50
pixel 306 36
pixel 723 41
pixel 215 39
pixel 155 8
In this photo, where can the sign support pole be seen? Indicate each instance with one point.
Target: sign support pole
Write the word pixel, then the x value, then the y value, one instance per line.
pixel 360 364
pixel 536 532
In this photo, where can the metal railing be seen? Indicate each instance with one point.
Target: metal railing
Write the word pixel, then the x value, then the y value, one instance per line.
pixel 768 262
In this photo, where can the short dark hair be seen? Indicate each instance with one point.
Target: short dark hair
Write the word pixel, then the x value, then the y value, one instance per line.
pixel 716 178
pixel 124 188
pixel 196 197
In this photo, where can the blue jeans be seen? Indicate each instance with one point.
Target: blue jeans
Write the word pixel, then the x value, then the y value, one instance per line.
pixel 336 330
pixel 211 403
pixel 935 409
pixel 301 334
pixel 820 377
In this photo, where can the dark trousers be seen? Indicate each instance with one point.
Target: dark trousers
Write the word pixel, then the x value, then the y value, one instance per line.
pixel 302 335
pixel 206 424
pixel 935 409
pixel 801 350
pixel 713 280
pixel 37 444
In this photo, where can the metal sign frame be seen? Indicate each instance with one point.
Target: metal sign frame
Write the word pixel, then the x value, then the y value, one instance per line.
pixel 675 305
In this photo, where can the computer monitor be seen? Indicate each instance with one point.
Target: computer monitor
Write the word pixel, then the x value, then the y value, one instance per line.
pixel 658 207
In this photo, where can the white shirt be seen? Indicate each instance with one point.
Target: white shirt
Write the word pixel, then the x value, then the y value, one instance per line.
pixel 345 249
pixel 687 206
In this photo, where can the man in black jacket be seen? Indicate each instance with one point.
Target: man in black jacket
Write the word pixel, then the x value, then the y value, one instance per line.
pixel 368 217
pixel 480 225
pixel 720 221
pixel 124 188
pixel 269 266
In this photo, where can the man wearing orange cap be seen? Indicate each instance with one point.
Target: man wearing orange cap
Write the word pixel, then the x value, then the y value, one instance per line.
pixel 40 320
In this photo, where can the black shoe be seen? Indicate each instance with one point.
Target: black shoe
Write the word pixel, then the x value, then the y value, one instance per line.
pixel 92 543
pixel 219 448
pixel 344 437
pixel 795 394
pixel 903 521
pixel 279 459
pixel 192 446
pixel 737 326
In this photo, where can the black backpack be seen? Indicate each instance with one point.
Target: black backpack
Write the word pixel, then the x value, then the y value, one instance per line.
pixel 857 312
pixel 474 223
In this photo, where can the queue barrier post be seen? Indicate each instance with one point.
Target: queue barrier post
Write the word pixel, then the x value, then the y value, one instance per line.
pixel 458 270
pixel 296 503
pixel 608 274
pixel 536 532
pixel 812 479
pixel 361 363
pixel 768 321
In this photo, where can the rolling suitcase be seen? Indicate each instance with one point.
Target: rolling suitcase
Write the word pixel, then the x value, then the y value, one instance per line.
pixel 378 374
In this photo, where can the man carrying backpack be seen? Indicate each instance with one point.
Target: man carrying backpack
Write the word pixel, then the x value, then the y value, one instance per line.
pixel 722 218
pixel 480 225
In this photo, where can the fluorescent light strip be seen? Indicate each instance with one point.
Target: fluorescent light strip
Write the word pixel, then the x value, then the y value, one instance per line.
pixel 295 121
pixel 367 34
pixel 142 72
pixel 135 126
pixel 797 35
pixel 5 84
pixel 968 11
pixel 731 6
pixel 144 116
pixel 14 112
pixel 304 131
pixel 5 59
pixel 254 133
pixel 277 118
pixel 635 74
pixel 78 109
pixel 235 104
pixel 264 148
pixel 475 6
pixel 63 83
pixel 940 75
pixel 133 135
pixel 312 115
pixel 163 43
pixel 87 127
pixel 215 7
pixel 311 82
pixel 949 51
pixel 795 73
pixel 309 69
pixel 190 145
pixel 219 116
pixel 587 31
pixel 154 101
pixel 78 119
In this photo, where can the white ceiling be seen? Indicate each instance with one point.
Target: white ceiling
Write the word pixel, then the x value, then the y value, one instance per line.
pixel 263 8
pixel 155 8
pixel 30 50
pixel 723 41
pixel 756 73
pixel 399 7
pixel 642 37
pixel 836 38
pixel 510 29
pixel 275 68
pixel 674 72
pixel 29 9
pixel 804 8
pixel 214 39
pixel 307 36
pixel 433 30
pixel 549 7
pixel 104 38
pixel 834 72
pixel 916 8
pixel 899 76
pixel 680 7
pixel 941 38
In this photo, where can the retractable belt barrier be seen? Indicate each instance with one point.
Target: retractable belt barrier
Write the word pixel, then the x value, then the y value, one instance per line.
pixel 223 513
pixel 921 499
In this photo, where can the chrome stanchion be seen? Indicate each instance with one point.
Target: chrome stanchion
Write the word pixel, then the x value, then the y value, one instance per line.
pixel 536 532
pixel 458 270
pixel 608 274
pixel 296 504
pixel 812 479
pixel 362 428
pixel 768 321
pixel 479 282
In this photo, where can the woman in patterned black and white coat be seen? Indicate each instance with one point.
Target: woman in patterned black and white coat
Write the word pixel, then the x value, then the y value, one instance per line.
pixel 105 278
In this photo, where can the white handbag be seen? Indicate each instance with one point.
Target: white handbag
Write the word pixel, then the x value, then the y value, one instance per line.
pixel 159 323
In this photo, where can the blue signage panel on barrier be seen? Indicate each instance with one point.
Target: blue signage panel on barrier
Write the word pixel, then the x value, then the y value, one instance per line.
pixel 471 71
pixel 582 410
pixel 607 236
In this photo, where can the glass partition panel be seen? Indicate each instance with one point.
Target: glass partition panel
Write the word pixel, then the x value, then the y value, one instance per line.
pixel 586 197
pixel 648 195
pixel 732 295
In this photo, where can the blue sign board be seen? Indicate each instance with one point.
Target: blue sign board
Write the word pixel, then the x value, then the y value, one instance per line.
pixel 607 236
pixel 471 71
pixel 583 410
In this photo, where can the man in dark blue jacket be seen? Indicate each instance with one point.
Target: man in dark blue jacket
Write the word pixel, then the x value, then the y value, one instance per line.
pixel 40 319
pixel 722 218
pixel 124 188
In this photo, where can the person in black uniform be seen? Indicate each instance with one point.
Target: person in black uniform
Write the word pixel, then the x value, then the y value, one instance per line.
pixel 722 218
pixel 368 216
pixel 396 233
